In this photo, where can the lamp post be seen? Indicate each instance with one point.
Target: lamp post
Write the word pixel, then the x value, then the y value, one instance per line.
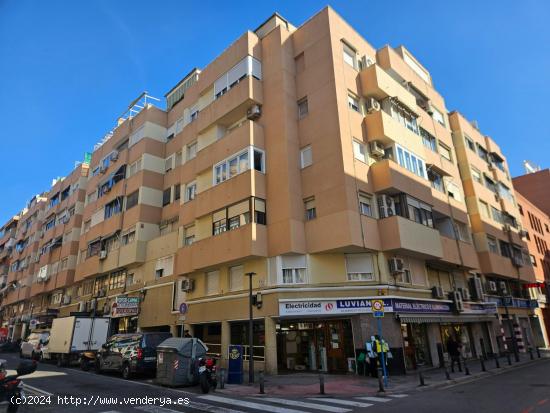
pixel 250 330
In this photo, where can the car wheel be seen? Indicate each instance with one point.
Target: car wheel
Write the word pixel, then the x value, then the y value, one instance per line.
pixel 59 361
pixel 20 353
pixel 126 372
pixel 97 367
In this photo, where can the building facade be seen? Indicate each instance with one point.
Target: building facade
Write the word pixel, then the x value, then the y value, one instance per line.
pixel 327 171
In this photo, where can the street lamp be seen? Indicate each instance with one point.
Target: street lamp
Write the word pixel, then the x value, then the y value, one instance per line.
pixel 250 330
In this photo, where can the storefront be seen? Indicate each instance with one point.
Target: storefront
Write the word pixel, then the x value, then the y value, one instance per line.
pixel 124 314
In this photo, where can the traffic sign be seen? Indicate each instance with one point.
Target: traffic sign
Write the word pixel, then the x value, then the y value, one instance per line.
pixel 377 308
pixel 183 308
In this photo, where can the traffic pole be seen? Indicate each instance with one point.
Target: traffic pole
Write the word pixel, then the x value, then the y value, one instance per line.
pixel 262 382
pixel 497 363
pixel 321 383
pixel 382 355
pixel 421 378
pixel 482 363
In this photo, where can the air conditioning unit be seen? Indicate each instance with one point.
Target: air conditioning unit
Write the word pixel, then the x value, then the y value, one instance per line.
pixel 475 283
pixel 66 299
pixel 114 156
pixel 396 265
pixel 502 286
pixel 81 306
pixel 465 293
pixel 366 62
pixel 187 285
pixel 376 149
pixel 372 105
pixel 254 112
pixel 437 292
pixel 457 301
pixel 492 286
pixel 387 206
pixel 102 254
pixel 427 106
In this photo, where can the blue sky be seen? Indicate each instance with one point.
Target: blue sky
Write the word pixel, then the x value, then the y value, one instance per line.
pixel 68 69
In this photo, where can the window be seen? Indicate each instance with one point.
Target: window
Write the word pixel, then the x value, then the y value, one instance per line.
pixel 484 209
pixel 50 223
pixel 193 113
pixel 238 164
pixel 178 159
pixel 360 267
pixel 177 190
pixel 497 215
pixel 492 244
pixel 438 116
pixel 100 284
pixel 520 209
pixel 482 152
pixel 87 225
pixel 476 174
pixel 401 114
pixel 305 157
pixel 490 184
pixel 365 204
pixel 411 162
pixel 445 151
pixel 164 266
pixel 309 205
pixel 419 211
pixel 168 164
pixel 132 200
pixel 505 192
pixel 453 190
pixel 190 191
pixel 259 211
pixel 64 263
pixel 353 102
pixel 293 269
pixel 350 55
pixel 236 275
pixel 191 151
pixel 112 208
pixel 212 282
pixel 65 193
pixel 436 180
pixel 128 236
pixel 470 143
pixel 189 235
pixel 54 200
pixel 111 243
pixel 249 66
pixel 303 109
pixel 505 249
pixel 428 140
pixel 117 279
pixel 166 196
pixel 533 260
pixel 359 151
pixel 134 168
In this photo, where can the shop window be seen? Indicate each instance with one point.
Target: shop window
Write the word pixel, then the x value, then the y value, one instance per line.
pixel 239 335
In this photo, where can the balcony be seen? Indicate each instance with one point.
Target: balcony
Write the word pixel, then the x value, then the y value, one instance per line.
pixel 131 254
pixel 388 176
pixel 491 263
pixel 410 238
pixel 247 241
pixel 246 93
pixel 453 250
pixel 64 278
pixel 382 127
pixel 375 82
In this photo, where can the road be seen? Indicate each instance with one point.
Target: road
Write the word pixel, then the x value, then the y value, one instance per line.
pixel 523 390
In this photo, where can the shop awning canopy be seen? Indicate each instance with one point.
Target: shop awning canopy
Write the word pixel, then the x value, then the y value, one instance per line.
pixel 423 318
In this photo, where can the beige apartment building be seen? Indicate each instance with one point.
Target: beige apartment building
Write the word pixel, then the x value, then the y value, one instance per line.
pixel 330 170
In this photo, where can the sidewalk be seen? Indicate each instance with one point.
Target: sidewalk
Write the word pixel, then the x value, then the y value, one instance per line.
pixel 307 384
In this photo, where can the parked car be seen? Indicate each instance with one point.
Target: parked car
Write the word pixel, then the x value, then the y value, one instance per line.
pixel 130 354
pixel 31 346
pixel 44 352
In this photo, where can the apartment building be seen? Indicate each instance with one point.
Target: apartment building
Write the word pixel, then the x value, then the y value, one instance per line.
pixel 536 225
pixel 327 171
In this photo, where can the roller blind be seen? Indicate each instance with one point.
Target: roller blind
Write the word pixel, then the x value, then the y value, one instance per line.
pixel 359 263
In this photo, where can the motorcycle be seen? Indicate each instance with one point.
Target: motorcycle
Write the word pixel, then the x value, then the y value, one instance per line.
pixel 88 360
pixel 207 374
pixel 11 387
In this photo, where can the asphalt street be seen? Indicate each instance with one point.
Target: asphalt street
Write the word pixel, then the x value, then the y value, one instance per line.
pixel 522 390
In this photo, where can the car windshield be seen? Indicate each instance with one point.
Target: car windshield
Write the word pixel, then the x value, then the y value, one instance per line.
pixel 153 340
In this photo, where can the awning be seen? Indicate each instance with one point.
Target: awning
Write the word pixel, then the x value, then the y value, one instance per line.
pixel 422 318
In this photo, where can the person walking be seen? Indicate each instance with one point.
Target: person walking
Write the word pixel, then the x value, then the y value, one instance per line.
pixel 453 348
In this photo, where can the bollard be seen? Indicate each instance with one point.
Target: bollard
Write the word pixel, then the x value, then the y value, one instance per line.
pixel 509 359
pixel 531 353
pixel 421 378
pixel 466 369
pixel 497 363
pixel 381 381
pixel 447 375
pixel 262 382
pixel 482 363
pixel 538 352
pixel 321 383
pixel 222 378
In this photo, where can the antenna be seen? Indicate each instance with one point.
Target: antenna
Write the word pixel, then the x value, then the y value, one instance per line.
pixel 530 167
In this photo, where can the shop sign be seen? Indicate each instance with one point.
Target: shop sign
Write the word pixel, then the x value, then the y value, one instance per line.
pixel 488 308
pixel 417 306
pixel 125 306
pixel 327 307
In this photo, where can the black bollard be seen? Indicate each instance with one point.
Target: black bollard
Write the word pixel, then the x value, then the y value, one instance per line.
pixel 222 378
pixel 538 352
pixel 482 363
pixel 381 381
pixel 531 353
pixel 262 382
pixel 509 358
pixel 421 378
pixel 447 375
pixel 321 383
pixel 497 362
pixel 466 369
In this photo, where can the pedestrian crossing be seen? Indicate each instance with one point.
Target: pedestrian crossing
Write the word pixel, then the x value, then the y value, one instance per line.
pixel 222 403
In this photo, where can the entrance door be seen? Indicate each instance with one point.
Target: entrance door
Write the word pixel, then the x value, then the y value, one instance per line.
pixel 336 356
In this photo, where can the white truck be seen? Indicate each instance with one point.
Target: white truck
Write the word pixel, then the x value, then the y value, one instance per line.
pixel 71 337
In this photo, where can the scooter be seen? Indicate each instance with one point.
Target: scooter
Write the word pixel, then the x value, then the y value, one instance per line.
pixel 207 374
pixel 11 387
